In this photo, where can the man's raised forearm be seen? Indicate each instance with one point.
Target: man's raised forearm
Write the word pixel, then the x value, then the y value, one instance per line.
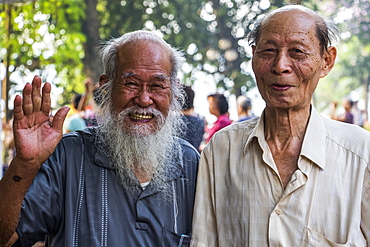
pixel 13 187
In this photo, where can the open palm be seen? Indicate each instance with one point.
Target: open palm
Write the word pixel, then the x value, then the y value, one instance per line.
pixel 36 134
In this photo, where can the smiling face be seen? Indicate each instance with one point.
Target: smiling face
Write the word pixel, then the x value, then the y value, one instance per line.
pixel 287 61
pixel 141 92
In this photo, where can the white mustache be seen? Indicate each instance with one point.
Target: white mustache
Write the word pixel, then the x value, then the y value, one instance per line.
pixel 141 111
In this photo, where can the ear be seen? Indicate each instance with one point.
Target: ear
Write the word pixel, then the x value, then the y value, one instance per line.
pixel 329 60
pixel 103 80
pixel 253 49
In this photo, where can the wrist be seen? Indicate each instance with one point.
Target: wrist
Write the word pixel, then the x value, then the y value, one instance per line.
pixel 25 166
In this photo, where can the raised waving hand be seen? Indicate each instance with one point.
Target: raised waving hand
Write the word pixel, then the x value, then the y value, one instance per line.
pixel 35 134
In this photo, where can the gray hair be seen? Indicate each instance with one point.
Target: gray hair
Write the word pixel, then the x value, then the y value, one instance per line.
pixel 109 55
pixel 326 31
pixel 244 102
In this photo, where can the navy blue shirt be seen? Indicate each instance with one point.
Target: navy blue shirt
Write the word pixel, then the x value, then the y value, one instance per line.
pixel 194 131
pixel 77 200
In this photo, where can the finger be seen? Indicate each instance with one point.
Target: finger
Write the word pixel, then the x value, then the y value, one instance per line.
pixel 36 94
pixel 18 111
pixel 59 118
pixel 46 101
pixel 27 100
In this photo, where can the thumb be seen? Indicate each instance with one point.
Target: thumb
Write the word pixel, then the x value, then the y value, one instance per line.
pixel 59 117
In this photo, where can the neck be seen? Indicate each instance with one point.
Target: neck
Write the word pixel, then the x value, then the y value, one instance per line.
pixel 285 126
pixel 142 177
pixel 189 112
pixel 243 115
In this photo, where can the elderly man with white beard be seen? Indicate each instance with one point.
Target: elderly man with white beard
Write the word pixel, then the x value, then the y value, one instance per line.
pixel 128 182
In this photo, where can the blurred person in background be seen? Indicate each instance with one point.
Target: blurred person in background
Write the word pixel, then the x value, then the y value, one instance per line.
pixel 346 116
pixel 219 107
pixel 89 101
pixel 359 115
pixel 76 121
pixel 244 108
pixel 193 130
pixel 8 142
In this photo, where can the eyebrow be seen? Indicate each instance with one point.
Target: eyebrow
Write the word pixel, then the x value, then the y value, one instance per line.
pixel 128 74
pixel 131 74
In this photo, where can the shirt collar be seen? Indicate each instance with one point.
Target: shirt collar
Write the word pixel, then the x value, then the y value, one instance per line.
pixel 258 133
pixel 313 145
pixel 314 142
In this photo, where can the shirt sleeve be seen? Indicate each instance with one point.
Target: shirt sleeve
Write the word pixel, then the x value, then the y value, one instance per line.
pixel 365 207
pixel 41 210
pixel 204 221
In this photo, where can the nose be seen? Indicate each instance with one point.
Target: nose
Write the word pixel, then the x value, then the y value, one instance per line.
pixel 281 64
pixel 143 98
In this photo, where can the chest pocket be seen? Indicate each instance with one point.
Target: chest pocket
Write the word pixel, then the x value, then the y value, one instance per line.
pixel 171 239
pixel 313 239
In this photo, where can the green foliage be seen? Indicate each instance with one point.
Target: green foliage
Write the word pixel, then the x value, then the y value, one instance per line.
pixel 212 34
pixel 351 71
pixel 43 33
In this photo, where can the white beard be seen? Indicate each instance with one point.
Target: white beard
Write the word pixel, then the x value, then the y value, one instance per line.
pixel 132 147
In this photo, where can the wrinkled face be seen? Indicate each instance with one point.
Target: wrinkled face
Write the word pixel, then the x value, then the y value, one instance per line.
pixel 286 60
pixel 142 88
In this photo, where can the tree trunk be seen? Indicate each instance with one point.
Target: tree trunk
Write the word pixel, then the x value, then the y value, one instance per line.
pixel 366 93
pixel 92 63
pixel 6 83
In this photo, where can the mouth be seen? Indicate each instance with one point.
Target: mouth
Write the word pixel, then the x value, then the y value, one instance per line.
pixel 279 87
pixel 141 117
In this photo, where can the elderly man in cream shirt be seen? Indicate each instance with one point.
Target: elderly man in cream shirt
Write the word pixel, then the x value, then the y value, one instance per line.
pixel 291 177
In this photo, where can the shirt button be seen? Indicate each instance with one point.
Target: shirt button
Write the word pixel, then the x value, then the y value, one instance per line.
pixel 278 211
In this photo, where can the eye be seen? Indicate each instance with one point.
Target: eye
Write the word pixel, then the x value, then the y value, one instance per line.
pixel 266 52
pixel 298 51
pixel 157 87
pixel 131 84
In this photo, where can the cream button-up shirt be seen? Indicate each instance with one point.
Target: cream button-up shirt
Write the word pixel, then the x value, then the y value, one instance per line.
pixel 240 199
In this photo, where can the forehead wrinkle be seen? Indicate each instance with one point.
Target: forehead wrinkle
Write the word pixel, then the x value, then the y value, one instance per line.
pixel 290 41
pixel 296 37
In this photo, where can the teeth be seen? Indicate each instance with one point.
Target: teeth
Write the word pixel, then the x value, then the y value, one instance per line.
pixel 140 116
